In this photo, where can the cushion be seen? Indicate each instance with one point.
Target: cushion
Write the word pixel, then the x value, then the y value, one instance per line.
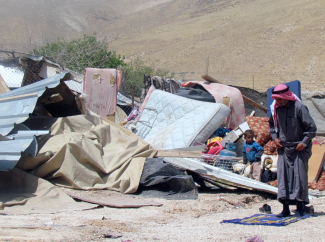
pixel 260 126
pixel 320 185
pixel 270 148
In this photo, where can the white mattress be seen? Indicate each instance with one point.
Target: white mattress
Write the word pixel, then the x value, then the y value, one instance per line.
pixel 169 121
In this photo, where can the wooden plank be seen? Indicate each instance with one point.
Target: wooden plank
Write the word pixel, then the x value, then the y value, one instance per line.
pixel 246 99
pixel 124 201
pixel 210 79
pixel 254 104
pixel 3 86
pixel 52 99
pixel 175 153
pixel 20 96
pixel 226 101
pixel 316 162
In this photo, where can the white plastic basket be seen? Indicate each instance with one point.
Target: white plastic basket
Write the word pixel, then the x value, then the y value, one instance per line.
pixel 223 162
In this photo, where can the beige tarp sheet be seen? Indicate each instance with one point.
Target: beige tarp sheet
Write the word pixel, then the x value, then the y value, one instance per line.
pixel 316 107
pixel 23 193
pixel 91 153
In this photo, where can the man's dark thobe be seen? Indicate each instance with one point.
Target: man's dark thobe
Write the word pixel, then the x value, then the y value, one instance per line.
pixel 295 126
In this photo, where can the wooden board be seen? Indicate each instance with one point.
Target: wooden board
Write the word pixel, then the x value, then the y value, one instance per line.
pixel 176 153
pixel 231 137
pixel 3 86
pixel 316 162
pixel 118 201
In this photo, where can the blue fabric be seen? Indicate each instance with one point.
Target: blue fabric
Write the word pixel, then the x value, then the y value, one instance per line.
pixel 251 150
pixel 221 132
pixel 294 87
pixel 266 219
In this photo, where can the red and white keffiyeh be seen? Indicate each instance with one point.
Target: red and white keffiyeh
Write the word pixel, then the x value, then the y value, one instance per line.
pixel 281 91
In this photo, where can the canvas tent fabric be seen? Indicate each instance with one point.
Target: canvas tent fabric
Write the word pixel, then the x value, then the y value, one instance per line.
pixel 168 121
pixel 219 91
pixel 91 153
pixel 315 102
pixel 23 193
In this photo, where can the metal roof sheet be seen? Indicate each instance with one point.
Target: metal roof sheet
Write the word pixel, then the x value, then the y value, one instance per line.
pixel 15 107
pixel 20 140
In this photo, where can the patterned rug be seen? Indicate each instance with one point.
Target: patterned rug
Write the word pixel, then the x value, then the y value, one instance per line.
pixel 266 219
pixel 320 185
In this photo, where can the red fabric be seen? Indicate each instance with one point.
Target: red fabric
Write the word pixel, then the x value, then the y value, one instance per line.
pixel 260 126
pixel 270 148
pixel 320 185
pixel 273 183
pixel 288 95
pixel 319 140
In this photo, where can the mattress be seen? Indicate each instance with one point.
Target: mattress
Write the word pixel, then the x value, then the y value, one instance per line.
pixel 169 121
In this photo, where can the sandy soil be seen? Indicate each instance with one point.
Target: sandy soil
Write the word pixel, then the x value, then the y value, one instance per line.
pixel 185 220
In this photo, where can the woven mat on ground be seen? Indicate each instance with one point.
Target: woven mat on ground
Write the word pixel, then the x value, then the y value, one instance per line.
pixel 266 219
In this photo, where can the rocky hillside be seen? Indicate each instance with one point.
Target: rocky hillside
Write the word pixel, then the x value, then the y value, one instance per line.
pixel 250 43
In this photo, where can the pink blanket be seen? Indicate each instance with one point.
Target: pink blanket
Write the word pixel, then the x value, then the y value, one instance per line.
pixel 219 91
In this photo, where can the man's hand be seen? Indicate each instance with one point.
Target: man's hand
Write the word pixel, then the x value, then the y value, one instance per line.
pixel 300 147
pixel 278 143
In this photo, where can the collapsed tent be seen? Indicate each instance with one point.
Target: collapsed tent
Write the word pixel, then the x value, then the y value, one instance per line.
pixel 90 153
pixel 23 193
pixel 49 97
pixel 315 102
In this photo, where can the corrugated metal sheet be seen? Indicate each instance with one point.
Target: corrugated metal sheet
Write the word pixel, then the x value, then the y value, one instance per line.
pixel 125 101
pixel 219 174
pixel 20 140
pixel 15 107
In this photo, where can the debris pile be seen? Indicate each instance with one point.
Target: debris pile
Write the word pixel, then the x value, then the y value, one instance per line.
pixel 60 128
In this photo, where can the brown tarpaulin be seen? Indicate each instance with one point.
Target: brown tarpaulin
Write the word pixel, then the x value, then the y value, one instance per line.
pixel 92 153
pixel 23 193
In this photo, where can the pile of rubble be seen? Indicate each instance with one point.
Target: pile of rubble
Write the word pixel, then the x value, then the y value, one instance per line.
pixel 60 128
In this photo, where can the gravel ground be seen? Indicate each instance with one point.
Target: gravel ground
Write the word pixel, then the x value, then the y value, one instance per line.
pixel 185 220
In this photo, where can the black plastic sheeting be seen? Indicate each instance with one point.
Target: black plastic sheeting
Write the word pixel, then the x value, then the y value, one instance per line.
pixel 196 93
pixel 162 180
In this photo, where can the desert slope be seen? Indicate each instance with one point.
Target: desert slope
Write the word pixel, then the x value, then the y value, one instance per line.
pixel 251 43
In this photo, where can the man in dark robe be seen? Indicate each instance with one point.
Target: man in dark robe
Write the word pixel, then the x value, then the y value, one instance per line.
pixel 292 129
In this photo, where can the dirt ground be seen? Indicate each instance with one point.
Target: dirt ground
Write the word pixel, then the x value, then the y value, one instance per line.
pixel 175 220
